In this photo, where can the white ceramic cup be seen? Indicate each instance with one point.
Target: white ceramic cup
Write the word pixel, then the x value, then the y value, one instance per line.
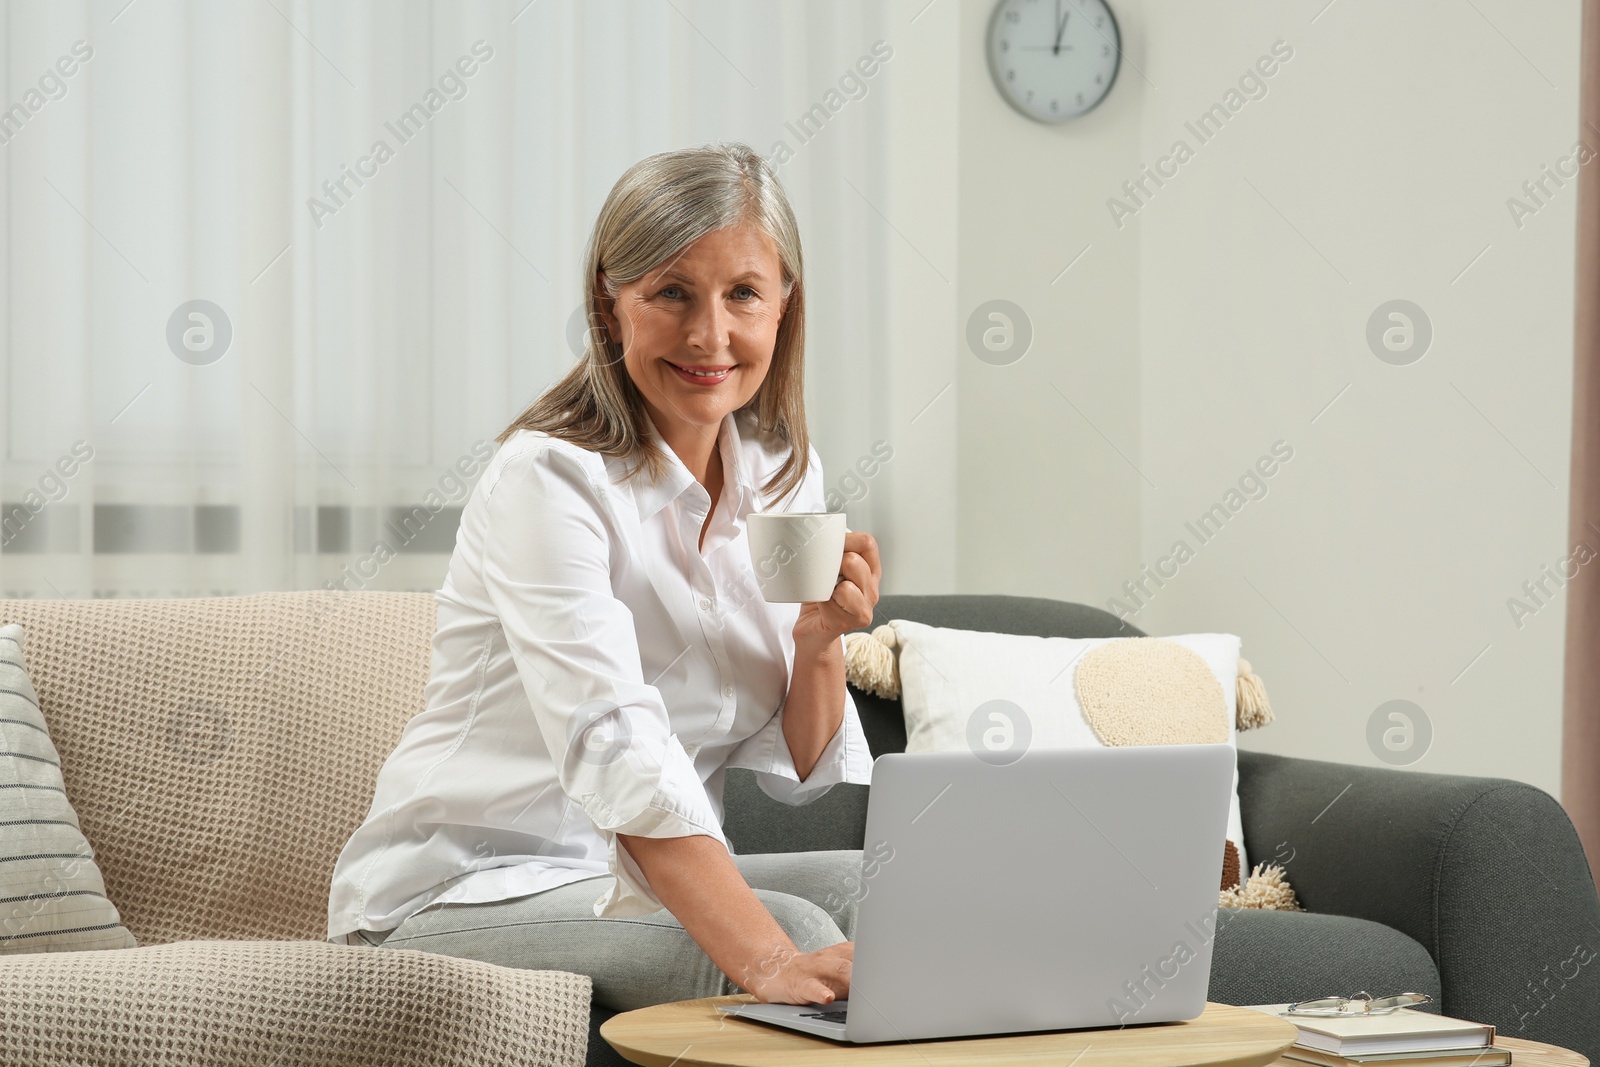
pixel 796 554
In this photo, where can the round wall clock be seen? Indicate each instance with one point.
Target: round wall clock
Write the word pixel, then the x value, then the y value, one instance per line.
pixel 1053 60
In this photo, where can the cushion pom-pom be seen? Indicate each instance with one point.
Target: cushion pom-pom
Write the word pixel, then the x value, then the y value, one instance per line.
pixel 870 663
pixel 1253 709
pixel 1267 888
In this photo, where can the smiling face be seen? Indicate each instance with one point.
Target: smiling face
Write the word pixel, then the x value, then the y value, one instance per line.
pixel 698 332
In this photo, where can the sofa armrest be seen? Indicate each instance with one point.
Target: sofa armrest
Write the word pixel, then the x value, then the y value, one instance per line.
pixel 1487 874
pixel 281 1002
pixel 755 823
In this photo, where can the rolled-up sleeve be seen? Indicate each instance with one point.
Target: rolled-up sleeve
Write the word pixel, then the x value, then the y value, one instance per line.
pixel 547 571
pixel 845 758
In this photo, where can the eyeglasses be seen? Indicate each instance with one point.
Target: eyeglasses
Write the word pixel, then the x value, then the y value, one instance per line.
pixel 1360 1004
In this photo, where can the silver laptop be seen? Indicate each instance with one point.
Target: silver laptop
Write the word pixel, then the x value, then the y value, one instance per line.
pixel 1072 888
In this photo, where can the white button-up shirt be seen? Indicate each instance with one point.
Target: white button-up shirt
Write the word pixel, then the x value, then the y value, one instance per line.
pixel 594 672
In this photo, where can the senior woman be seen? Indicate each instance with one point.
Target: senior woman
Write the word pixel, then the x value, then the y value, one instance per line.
pixel 602 654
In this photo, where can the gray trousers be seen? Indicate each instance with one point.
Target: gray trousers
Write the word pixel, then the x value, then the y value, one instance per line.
pixel 641 960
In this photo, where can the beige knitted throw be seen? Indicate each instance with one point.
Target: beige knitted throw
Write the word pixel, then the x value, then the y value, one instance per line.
pixel 274 1003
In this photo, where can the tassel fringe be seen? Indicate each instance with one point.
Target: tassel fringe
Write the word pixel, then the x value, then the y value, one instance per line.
pixel 870 662
pixel 1252 709
pixel 1266 888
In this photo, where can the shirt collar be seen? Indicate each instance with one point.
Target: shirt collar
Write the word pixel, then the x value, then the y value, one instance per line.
pixel 651 496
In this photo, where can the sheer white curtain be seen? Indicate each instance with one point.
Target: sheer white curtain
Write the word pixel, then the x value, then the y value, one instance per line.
pixel 381 210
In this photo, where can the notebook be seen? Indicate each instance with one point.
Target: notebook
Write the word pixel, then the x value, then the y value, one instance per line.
pixel 1489 1056
pixel 1406 1030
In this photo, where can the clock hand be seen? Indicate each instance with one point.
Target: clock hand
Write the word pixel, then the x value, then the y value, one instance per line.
pixel 1061 25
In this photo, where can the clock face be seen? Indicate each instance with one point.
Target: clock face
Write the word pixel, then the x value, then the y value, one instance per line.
pixel 1053 59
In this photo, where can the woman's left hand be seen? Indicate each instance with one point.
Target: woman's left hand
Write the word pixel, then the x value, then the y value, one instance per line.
pixel 822 623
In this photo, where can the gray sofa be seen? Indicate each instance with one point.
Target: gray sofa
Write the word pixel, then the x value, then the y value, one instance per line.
pixel 1474 890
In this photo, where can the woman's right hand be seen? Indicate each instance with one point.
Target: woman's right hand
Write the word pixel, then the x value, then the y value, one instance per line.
pixel 789 976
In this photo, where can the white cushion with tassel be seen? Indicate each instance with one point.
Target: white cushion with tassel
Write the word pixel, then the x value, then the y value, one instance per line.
pixel 1193 688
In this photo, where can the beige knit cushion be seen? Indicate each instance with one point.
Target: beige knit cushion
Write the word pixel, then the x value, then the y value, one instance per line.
pixel 282 1003
pixel 1146 691
pixel 1151 692
pixel 52 898
pixel 219 751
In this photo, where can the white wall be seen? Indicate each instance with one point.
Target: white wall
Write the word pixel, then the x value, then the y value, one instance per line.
pixel 1228 312
pixel 1049 506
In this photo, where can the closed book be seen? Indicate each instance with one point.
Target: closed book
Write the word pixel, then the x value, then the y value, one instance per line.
pixel 1406 1030
pixel 1492 1056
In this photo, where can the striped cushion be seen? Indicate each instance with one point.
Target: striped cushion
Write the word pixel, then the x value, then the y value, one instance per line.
pixel 52 898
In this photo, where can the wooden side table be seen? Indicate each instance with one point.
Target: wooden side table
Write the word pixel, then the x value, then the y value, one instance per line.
pixel 693 1032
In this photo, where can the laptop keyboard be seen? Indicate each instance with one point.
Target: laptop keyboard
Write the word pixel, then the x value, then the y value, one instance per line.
pixel 835 1016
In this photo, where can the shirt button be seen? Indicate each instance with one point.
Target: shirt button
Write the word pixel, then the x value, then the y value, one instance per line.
pixel 705 603
pixel 727 690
